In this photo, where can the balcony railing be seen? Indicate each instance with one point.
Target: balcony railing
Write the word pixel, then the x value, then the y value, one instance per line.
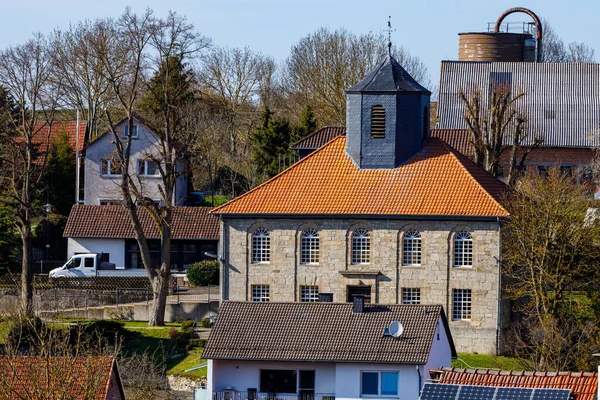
pixel 235 395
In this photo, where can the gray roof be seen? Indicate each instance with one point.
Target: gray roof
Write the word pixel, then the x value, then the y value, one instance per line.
pixel 388 76
pixel 562 101
pixel 323 332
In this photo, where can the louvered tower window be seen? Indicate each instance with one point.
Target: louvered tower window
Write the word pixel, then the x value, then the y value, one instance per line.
pixel 378 122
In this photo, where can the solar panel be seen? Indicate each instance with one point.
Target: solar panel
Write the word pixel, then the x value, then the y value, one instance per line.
pixel 439 391
pixel 551 394
pixel 476 392
pixel 509 393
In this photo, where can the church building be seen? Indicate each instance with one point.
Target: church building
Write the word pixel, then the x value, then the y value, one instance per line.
pixel 386 212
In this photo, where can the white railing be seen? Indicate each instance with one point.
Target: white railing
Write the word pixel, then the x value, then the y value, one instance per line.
pixel 235 395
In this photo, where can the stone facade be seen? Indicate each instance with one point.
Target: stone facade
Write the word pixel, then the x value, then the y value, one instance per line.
pixel 385 275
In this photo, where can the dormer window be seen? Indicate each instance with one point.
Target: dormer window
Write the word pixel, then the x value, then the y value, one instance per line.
pixel 134 134
pixel 378 122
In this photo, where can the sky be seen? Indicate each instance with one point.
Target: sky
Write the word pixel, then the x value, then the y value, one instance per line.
pixel 427 28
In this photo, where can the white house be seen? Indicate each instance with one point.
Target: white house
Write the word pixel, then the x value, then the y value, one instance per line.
pixel 322 350
pixel 103 175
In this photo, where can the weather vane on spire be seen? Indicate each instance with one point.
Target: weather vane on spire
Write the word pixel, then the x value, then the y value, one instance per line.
pixel 390 30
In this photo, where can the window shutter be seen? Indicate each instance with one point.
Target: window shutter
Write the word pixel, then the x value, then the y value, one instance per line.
pixel 378 122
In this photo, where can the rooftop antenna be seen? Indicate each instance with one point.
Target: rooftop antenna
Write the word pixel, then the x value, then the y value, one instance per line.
pixel 390 30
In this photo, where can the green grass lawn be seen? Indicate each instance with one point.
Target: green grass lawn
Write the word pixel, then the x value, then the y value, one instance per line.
pixel 193 359
pixel 471 360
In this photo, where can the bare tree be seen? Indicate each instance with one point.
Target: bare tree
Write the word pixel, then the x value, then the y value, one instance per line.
pixel 131 50
pixel 495 124
pixel 324 64
pixel 77 65
pixel 25 71
pixel 555 50
pixel 235 79
pixel 550 256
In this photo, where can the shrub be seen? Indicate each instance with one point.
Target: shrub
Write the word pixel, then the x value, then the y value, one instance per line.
pixel 197 342
pixel 205 323
pixel 203 273
pixel 174 333
pixel 188 323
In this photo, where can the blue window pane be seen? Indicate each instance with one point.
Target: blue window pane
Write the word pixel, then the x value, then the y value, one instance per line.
pixel 370 383
pixel 389 383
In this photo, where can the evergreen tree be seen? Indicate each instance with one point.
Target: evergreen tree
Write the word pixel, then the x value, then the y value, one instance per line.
pixel 307 124
pixel 270 144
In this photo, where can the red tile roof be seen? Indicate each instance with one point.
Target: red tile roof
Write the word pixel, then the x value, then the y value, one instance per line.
pixel 319 138
pixel 436 181
pixel 47 134
pixel 583 385
pixel 92 221
pixel 457 138
pixel 60 378
pixel 323 332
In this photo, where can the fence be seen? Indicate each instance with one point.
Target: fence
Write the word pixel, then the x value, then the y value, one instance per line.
pixel 60 294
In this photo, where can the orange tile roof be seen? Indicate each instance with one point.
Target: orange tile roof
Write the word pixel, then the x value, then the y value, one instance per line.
pixel 48 134
pixel 436 181
pixel 26 377
pixel 583 385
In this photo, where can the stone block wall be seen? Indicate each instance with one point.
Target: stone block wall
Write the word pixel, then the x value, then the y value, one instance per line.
pixel 385 274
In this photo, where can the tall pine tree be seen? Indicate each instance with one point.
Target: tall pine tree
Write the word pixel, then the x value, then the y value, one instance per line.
pixel 270 144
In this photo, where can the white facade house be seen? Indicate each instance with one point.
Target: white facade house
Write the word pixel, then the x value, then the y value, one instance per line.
pixel 103 176
pixel 323 351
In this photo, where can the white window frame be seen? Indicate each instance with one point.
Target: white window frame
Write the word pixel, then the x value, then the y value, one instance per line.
pixel 144 162
pixel 261 293
pixel 379 383
pixel 463 249
pixel 309 293
pixel 411 295
pixel 136 131
pixel 261 246
pixel 360 242
pixel 109 165
pixel 411 248
pixel 309 247
pixel 462 304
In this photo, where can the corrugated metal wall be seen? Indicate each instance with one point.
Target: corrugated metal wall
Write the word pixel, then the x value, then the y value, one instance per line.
pixel 562 101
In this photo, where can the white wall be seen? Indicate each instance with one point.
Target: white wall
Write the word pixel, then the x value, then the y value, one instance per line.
pixel 348 379
pixel 98 187
pixel 440 354
pixel 114 247
pixel 242 375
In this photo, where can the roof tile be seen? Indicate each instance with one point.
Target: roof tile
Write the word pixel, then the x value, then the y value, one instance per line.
pixel 436 181
pixel 319 138
pixel 323 332
pixel 94 221
pixel 583 385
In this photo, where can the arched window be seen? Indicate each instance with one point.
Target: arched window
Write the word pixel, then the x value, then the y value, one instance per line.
pixel 261 246
pixel 411 248
pixel 361 246
pixel 309 247
pixel 463 249
pixel 377 122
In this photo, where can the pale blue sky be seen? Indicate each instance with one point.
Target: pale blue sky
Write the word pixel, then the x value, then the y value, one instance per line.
pixel 428 28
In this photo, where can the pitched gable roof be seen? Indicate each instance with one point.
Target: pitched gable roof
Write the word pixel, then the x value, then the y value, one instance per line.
pixel 583 385
pixel 437 181
pixel 324 332
pixel 456 138
pixel 319 138
pixel 94 378
pixel 92 221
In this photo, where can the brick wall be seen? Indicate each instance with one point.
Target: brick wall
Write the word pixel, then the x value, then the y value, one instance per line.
pixel 435 277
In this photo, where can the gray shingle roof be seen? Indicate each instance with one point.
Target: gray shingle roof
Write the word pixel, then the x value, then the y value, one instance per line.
pixel 319 138
pixel 325 332
pixel 388 76
pixel 562 101
pixel 89 221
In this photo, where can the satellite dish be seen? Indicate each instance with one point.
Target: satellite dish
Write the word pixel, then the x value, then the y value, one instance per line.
pixel 396 329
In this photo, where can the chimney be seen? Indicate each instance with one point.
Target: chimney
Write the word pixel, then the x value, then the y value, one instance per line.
pixel 358 304
pixel 326 297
